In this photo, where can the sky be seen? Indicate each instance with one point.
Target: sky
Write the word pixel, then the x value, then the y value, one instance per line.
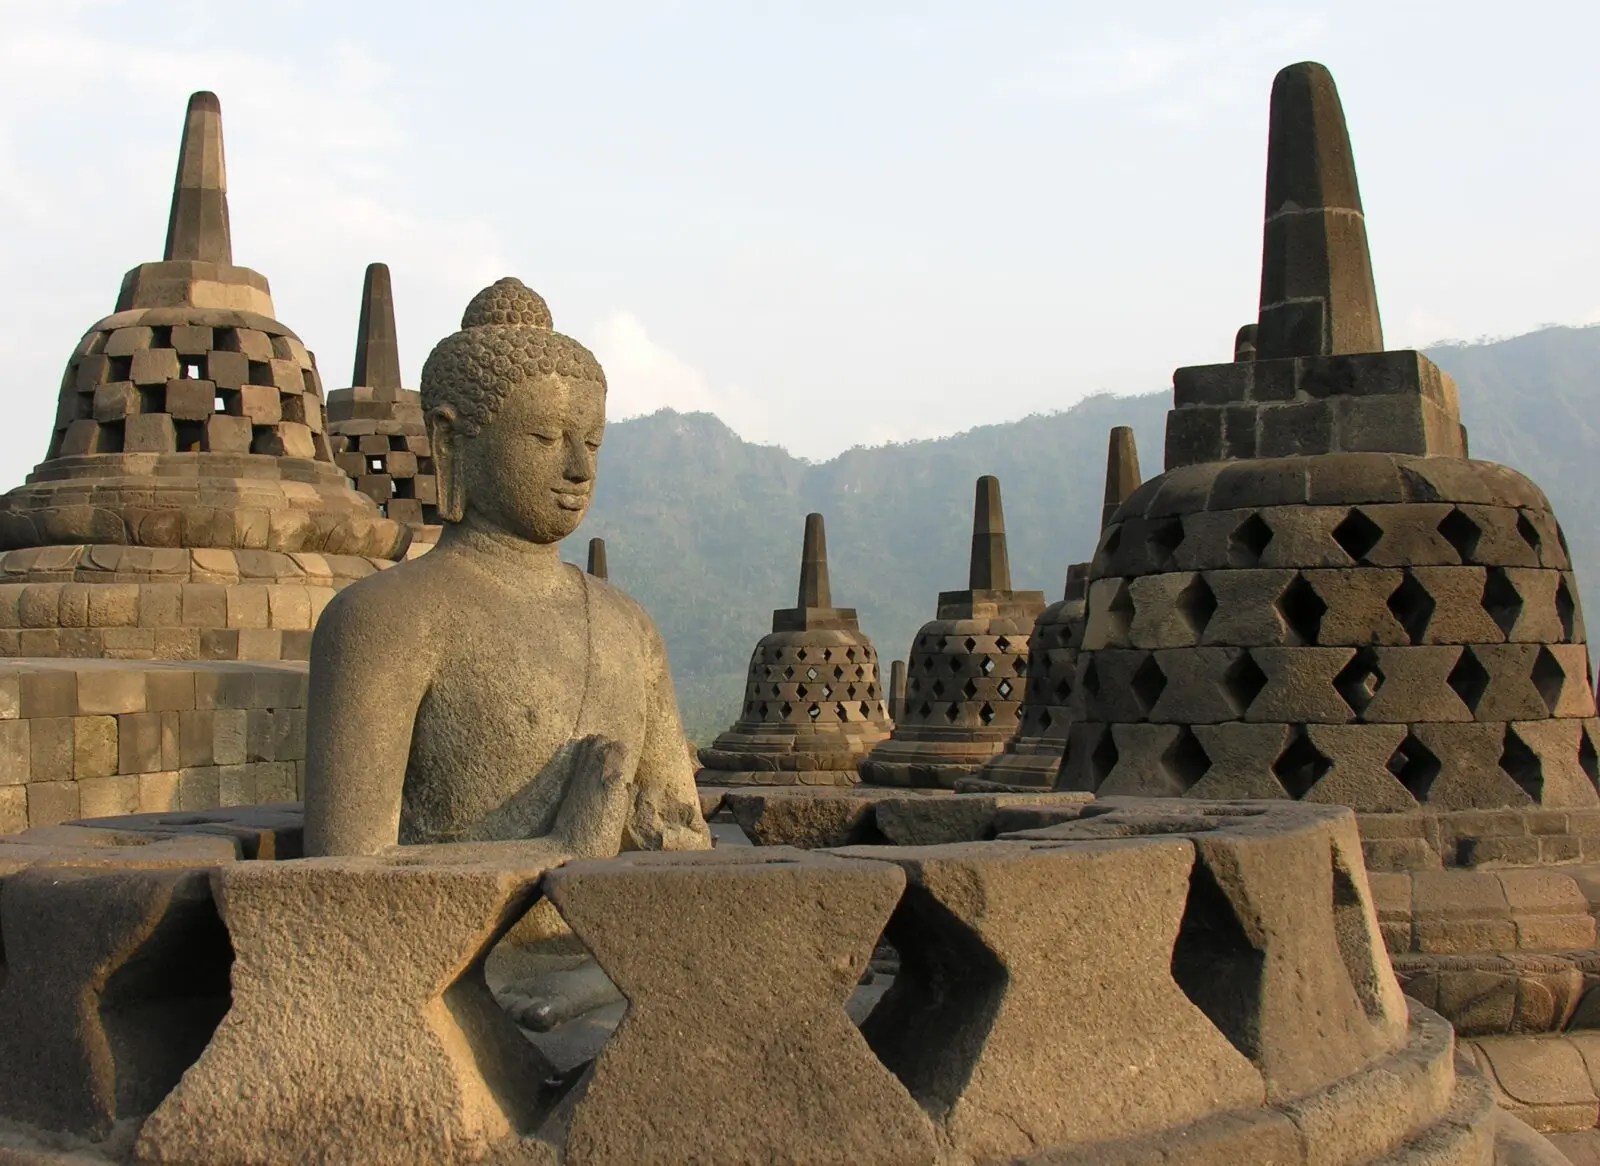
pixel 829 223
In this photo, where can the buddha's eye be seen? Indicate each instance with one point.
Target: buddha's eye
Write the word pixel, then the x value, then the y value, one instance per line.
pixel 593 444
pixel 545 438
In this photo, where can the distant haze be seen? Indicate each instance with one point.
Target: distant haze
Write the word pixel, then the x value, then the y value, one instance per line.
pixel 827 223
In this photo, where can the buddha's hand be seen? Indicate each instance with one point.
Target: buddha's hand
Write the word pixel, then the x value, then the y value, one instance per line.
pixel 594 806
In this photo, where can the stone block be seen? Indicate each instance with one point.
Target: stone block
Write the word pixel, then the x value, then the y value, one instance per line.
pixel 787 1076
pixel 1408 684
pixel 154 366
pixel 1299 685
pixel 807 819
pixel 111 690
pixel 1295 429
pixel 16 752
pixel 48 693
pixel 113 605
pixel 1358 775
pixel 116 979
pixel 388 960
pixel 191 400
pixel 109 796
pixel 50 741
pixel 285 439
pixel 13 808
pixel 52 802
pixel 1247 614
pixel 227 434
pixel 114 401
pixel 260 404
pixel 139 743
pixel 228 370
pixel 94 747
pixel 1357 606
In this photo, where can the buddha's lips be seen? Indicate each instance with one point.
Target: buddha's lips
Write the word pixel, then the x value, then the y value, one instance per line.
pixel 571 499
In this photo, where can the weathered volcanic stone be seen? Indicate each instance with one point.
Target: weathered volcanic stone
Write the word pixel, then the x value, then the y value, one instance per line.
pixel 188 457
pixel 341 965
pixel 814 704
pixel 115 978
pixel 967 675
pixel 1399 621
pixel 1014 1047
pixel 782 1074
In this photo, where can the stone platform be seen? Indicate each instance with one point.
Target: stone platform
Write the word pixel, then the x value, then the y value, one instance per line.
pixel 1087 1026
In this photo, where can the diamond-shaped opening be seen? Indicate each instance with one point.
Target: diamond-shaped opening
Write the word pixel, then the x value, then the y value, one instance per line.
pixel 1197 603
pixel 1148 684
pixel 1501 599
pixel 970 644
pixel 1104 758
pixel 1414 766
pixel 851 691
pixel 1186 760
pixel 954 662
pixel 841 712
pixel 1522 764
pixel 1461 533
pixel 1112 542
pixel 161 1007
pixel 866 710
pixel 1589 757
pixel 1216 965
pixel 838 672
pixel 1163 540
pixel 1091 677
pixel 925 711
pixel 1020 665
pixel 952 713
pixel 938 688
pixel 1528 531
pixel 1412 607
pixel 1469 679
pixel 1566 609
pixel 1121 607
pixel 1548 678
pixel 763 709
pixel 1357 534
pixel 929 999
pixel 787 709
pixel 1248 542
pixel 1045 719
pixel 801 691
pixel 1004 689
pixel 970 688
pixel 850 654
pixel 801 655
pixel 1063 690
pixel 1359 680
pixel 986 714
pixel 987 666
pixel 827 692
pixel 1002 644
pixel 788 673
pixel 827 654
pixel 1243 682
pixel 811 673
pixel 1301 764
pixel 814 711
pixel 1302 610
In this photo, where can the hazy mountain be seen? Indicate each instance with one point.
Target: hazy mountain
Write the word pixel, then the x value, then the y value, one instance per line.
pixel 704 528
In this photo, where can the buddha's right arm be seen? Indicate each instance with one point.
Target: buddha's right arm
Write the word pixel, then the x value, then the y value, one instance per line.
pixel 366 683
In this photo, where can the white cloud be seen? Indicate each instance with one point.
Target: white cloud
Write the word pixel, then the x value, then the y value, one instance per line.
pixel 1175 78
pixel 643 375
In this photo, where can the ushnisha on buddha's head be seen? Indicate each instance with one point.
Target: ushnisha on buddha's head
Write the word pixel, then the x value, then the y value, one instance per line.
pixel 516 412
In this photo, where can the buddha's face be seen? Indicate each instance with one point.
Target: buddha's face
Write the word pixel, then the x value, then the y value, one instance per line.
pixel 530 470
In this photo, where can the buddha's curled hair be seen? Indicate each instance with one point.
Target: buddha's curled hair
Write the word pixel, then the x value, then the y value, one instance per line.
pixel 506 339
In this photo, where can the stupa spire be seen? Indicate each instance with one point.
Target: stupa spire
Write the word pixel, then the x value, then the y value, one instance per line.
pixel 597 558
pixel 991 565
pixel 1317 293
pixel 1122 471
pixel 377 350
pixel 814 587
pixel 198 226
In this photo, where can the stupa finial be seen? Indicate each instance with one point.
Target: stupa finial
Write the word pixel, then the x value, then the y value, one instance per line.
pixel 1122 471
pixel 198 226
pixel 377 350
pixel 815 590
pixel 1317 294
pixel 1244 343
pixel 991 565
pixel 597 558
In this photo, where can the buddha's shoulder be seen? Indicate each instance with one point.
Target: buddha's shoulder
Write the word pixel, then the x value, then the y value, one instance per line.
pixel 402 595
pixel 623 612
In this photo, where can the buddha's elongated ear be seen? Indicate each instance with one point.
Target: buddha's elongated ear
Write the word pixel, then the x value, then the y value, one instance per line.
pixel 446 440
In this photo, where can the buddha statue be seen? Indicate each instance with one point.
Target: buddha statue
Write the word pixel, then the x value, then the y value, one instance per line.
pixel 488 691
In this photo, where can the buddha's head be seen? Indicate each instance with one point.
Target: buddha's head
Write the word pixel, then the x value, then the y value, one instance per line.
pixel 516 412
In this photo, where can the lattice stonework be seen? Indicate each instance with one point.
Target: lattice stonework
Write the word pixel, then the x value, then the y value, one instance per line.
pixel 379 439
pixel 816 684
pixel 964 677
pixel 1411 635
pixel 188 380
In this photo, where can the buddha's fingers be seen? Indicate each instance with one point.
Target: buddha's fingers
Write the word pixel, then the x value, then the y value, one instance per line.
pixel 598 795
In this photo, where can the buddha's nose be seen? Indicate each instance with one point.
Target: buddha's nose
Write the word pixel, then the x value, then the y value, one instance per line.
pixel 580 462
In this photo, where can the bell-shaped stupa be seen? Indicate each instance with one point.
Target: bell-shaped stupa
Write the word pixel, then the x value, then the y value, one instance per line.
pixel 376 428
pixel 813 703
pixel 1033 756
pixel 189 506
pixel 967 671
pixel 1322 597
